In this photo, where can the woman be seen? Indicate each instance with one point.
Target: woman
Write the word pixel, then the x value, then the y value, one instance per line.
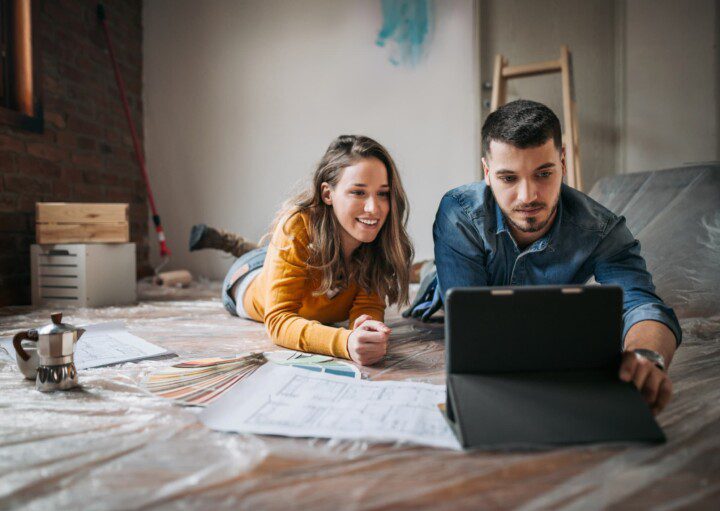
pixel 338 251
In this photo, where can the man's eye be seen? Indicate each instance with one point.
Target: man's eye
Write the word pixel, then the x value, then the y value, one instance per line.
pixel 507 179
pixel 545 174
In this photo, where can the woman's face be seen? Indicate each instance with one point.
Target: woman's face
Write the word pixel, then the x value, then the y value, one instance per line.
pixel 360 202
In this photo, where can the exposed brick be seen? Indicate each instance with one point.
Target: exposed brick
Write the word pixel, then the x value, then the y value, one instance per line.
pixel 19 184
pixel 13 264
pixel 19 293
pixel 51 85
pixel 96 177
pixel 31 166
pixel 88 161
pixel 8 242
pixel 8 143
pixel 82 126
pixel 67 139
pixel 88 144
pixel 23 242
pixel 119 195
pixel 85 153
pixel 46 151
pixel 7 162
pixel 8 202
pixel 126 173
pixel 13 222
pixel 61 190
pixel 72 175
pixel 89 193
pixel 26 203
pixel 55 118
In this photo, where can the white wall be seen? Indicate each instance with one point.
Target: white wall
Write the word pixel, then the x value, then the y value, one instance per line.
pixel 526 31
pixel 671 83
pixel 647 75
pixel 243 97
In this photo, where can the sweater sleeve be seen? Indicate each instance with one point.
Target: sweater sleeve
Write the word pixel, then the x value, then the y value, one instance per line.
pixel 367 303
pixel 287 274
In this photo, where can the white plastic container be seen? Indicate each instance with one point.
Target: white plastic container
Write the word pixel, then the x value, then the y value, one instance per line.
pixel 83 275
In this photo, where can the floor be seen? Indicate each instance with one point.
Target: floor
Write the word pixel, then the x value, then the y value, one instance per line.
pixel 112 446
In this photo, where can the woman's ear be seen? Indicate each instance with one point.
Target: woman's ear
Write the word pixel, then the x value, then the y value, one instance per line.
pixel 325 193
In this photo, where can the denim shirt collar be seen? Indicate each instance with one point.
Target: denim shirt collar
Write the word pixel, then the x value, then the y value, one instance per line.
pixel 499 220
pixel 544 242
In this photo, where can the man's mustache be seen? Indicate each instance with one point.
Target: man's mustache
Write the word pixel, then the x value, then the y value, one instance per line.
pixel 530 207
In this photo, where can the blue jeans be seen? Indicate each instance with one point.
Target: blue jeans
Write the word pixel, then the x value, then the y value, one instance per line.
pixel 238 271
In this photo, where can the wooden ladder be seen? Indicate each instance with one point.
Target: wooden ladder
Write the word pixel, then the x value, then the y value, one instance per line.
pixel 503 72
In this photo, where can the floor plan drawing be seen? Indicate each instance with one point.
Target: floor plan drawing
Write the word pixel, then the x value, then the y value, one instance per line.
pixel 281 400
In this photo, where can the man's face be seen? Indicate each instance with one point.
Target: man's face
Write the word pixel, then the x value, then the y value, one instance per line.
pixel 526 185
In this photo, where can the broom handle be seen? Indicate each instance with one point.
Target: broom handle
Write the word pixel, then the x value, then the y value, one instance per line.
pixel 164 250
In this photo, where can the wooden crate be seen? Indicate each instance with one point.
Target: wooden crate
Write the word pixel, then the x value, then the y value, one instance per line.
pixel 76 222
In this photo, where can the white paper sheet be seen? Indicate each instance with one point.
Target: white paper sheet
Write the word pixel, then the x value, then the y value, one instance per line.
pixel 102 344
pixel 280 400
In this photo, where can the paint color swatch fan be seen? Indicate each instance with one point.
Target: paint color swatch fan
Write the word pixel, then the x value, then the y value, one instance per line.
pixel 202 381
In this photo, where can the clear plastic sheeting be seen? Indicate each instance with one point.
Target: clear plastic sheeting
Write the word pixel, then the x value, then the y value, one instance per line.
pixel 675 214
pixel 109 445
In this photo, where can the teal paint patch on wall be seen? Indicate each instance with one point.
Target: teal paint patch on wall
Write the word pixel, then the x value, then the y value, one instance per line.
pixel 407 25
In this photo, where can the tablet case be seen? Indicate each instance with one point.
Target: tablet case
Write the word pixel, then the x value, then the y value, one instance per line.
pixel 535 367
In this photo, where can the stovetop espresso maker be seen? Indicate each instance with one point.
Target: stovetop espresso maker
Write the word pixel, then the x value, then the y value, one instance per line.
pixel 51 362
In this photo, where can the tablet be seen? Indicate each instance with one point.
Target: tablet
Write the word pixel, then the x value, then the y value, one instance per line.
pixel 537 366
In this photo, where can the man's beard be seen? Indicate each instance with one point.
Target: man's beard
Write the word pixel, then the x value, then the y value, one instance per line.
pixel 531 225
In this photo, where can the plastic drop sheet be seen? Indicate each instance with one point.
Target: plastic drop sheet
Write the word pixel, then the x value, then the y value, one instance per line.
pixel 110 445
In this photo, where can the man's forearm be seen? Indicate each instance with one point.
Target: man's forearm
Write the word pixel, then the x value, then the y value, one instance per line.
pixel 652 335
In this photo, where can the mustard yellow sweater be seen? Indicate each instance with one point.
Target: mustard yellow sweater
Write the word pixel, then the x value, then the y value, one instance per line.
pixel 282 296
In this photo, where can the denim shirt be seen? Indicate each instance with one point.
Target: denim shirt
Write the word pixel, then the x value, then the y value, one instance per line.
pixel 474 247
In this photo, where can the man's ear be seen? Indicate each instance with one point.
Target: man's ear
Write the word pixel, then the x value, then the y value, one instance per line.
pixel 486 171
pixel 325 193
pixel 562 161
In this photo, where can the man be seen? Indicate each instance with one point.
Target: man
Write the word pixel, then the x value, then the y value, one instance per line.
pixel 523 226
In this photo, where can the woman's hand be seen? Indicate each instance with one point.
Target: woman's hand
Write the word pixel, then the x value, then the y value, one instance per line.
pixel 367 343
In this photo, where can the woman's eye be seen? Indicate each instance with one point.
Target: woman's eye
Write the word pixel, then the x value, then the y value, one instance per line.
pixel 357 192
pixel 385 195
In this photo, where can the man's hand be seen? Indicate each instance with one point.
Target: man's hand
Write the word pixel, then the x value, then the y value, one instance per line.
pixel 652 382
pixel 367 343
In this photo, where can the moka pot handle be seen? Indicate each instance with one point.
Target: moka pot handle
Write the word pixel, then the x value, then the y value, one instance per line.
pixel 30 335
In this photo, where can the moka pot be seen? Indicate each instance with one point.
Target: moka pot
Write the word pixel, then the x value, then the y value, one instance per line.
pixel 55 368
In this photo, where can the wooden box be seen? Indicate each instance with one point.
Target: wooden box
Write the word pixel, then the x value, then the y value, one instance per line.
pixel 83 275
pixel 77 222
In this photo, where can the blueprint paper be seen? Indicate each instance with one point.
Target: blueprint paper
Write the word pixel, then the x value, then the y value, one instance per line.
pixel 288 401
pixel 312 362
pixel 102 344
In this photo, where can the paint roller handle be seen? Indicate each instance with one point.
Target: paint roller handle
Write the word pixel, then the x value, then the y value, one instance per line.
pixel 173 278
pixel 164 249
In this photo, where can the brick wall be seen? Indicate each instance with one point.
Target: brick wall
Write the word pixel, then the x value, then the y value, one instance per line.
pixel 85 153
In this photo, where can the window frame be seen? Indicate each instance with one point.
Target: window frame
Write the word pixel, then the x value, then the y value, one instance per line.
pixel 21 107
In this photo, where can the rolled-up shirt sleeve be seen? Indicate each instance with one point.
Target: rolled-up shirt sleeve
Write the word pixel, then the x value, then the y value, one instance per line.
pixel 619 262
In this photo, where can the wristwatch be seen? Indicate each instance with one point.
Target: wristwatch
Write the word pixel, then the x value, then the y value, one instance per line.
pixel 653 356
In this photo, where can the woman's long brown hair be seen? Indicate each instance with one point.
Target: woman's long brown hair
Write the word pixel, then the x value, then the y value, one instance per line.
pixel 382 266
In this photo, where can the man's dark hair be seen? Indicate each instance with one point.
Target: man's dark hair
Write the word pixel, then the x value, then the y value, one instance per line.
pixel 523 124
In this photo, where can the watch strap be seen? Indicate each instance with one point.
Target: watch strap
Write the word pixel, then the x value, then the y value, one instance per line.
pixel 651 355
